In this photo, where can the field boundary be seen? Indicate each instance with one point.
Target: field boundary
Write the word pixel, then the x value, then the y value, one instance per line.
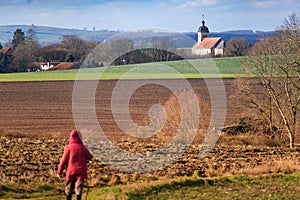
pixel 229 67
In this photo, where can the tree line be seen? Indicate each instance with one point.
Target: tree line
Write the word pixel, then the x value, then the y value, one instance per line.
pixel 27 51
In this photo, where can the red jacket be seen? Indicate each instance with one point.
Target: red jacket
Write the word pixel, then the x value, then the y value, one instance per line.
pixel 75 159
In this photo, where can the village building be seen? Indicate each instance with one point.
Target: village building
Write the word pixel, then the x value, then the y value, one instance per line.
pixel 6 50
pixel 47 66
pixel 207 46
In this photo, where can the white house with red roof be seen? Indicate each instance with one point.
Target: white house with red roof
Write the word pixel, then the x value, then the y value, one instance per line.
pixel 207 46
pixel 47 66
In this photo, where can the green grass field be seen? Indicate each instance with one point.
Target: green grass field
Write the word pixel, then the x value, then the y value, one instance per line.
pixel 270 186
pixel 198 68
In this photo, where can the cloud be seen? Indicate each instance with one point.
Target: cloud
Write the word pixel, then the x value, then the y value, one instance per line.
pixel 189 4
pixel 209 2
pixel 265 3
pixel 198 3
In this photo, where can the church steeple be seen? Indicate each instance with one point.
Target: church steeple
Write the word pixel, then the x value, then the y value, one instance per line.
pixel 202 31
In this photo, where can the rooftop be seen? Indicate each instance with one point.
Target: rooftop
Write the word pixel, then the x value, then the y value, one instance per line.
pixel 207 43
pixel 5 50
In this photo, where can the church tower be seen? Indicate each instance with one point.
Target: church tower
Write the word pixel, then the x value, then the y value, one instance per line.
pixel 202 31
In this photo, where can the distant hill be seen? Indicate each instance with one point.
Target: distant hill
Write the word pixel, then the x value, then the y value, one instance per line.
pixel 53 34
pixel 249 35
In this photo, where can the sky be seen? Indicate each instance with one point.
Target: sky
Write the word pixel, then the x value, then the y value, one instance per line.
pixel 174 15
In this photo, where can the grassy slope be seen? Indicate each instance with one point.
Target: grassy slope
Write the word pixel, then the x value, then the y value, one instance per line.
pixel 274 186
pixel 228 67
pixel 271 186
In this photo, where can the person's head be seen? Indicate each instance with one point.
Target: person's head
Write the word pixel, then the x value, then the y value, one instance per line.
pixel 75 136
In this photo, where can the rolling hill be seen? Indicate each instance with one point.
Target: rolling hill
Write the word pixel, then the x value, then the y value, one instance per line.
pixel 53 34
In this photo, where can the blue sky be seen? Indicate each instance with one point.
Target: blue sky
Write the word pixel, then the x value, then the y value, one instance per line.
pixel 176 15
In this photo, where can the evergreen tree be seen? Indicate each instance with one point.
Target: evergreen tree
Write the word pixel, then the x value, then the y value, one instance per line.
pixel 18 38
pixel 5 61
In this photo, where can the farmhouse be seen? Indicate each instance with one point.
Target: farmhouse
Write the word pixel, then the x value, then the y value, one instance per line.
pixel 207 46
pixel 6 50
pixel 46 66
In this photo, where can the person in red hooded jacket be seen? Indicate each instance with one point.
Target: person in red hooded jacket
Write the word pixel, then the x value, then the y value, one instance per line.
pixel 74 160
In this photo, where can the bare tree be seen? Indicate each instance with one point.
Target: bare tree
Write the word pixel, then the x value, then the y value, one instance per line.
pixel 237 47
pixel 74 46
pixel 112 52
pixel 163 49
pixel 31 36
pixel 276 63
pixel 24 57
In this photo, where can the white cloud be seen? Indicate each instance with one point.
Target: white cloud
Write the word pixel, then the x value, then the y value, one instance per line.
pixel 198 3
pixel 209 2
pixel 190 4
pixel 265 3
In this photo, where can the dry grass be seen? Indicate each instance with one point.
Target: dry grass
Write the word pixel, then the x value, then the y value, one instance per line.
pixel 277 166
pixel 49 135
pixel 252 139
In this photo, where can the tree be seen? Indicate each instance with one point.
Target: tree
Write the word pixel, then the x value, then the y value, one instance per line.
pixel 162 49
pixel 70 58
pixel 113 52
pixel 276 63
pixel 5 61
pixel 237 47
pixel 18 38
pixel 70 49
pixel 26 53
pixel 31 36
pixel 53 53
pixel 74 46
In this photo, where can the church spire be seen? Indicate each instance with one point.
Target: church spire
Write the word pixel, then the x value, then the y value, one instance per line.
pixel 202 31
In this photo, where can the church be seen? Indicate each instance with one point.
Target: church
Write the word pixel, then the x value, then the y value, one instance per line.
pixel 207 46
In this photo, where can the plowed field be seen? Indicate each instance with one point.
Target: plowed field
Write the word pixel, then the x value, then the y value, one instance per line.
pixel 44 110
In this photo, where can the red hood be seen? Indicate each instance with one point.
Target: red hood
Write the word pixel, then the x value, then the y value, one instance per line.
pixel 74 137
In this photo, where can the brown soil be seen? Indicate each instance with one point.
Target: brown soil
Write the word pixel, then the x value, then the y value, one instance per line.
pixel 45 108
pixel 25 160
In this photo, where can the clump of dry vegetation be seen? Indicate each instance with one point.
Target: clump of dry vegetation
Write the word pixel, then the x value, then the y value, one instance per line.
pixel 246 131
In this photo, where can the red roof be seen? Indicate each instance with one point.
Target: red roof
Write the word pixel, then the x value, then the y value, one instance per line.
pixel 5 50
pixel 207 43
